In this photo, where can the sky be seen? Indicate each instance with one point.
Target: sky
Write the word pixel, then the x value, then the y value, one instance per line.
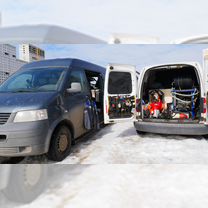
pixel 168 20
pixel 138 55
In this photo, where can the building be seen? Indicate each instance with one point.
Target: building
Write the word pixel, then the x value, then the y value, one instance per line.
pixel 29 53
pixel 3 76
pixel 8 61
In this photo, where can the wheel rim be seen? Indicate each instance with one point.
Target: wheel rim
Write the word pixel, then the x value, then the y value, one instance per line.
pixel 63 143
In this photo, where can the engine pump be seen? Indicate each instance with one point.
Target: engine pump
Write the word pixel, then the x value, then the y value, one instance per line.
pixel 155 107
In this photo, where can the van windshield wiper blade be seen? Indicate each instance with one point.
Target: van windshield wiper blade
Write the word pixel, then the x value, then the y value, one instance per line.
pixel 22 90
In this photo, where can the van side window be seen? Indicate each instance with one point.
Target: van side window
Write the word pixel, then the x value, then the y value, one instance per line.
pixel 78 76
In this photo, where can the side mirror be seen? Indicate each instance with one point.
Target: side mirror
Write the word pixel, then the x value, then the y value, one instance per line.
pixel 75 88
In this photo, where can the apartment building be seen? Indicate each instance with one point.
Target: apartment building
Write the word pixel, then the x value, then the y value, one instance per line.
pixel 9 63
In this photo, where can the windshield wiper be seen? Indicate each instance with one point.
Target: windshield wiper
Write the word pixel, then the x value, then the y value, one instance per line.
pixel 22 90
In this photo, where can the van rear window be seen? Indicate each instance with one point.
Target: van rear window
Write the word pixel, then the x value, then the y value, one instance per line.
pixel 120 83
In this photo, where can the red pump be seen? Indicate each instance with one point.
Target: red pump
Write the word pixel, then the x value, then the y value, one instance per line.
pixel 156 106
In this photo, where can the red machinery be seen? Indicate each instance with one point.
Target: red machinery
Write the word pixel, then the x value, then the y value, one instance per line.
pixel 155 106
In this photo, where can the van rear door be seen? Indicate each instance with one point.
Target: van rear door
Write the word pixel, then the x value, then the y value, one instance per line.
pixel 205 68
pixel 120 93
pixel 205 76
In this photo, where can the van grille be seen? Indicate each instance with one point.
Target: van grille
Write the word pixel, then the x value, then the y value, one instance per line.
pixel 4 118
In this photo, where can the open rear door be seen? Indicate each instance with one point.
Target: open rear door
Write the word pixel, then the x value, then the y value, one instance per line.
pixel 119 93
pixel 205 76
pixel 205 68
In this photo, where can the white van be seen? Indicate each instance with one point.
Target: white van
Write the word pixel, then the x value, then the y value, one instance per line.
pixel 171 98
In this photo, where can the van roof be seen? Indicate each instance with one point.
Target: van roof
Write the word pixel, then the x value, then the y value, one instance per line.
pixel 64 62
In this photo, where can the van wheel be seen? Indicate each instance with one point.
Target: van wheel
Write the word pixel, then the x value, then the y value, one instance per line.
pixel 61 143
pixel 26 182
pixel 140 132
pixel 205 136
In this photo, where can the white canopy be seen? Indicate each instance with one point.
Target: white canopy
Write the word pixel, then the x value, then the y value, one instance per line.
pixel 121 38
pixel 200 39
pixel 44 34
pixel 51 34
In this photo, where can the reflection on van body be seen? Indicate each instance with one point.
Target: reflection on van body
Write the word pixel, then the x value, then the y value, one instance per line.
pixel 23 183
pixel 47 105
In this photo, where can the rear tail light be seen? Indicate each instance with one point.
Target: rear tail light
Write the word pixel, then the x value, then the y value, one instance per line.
pixel 106 107
pixel 138 105
pixel 205 106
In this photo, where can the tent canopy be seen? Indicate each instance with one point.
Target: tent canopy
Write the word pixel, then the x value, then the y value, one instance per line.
pixel 44 34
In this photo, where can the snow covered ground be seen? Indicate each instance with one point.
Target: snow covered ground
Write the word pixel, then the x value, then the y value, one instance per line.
pixel 128 170
pixel 120 144
pixel 122 186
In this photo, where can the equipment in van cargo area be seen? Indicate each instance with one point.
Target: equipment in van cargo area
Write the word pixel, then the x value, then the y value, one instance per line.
pixel 121 106
pixel 155 106
pixel 171 93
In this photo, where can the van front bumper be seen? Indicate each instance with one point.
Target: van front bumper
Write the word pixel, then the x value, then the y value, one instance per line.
pixel 171 128
pixel 22 139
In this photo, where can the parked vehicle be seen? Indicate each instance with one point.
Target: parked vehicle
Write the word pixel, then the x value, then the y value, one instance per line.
pixel 47 105
pixel 171 98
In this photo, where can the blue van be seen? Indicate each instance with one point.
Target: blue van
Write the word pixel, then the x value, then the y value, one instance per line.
pixel 47 105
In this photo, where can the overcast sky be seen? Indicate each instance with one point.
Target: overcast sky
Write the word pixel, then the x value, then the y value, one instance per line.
pixel 166 19
pixel 139 55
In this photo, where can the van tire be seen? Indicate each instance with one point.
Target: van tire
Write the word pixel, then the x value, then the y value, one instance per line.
pixel 205 136
pixel 60 145
pixel 26 182
pixel 140 132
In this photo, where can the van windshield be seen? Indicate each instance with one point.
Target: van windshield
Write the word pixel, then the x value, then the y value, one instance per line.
pixel 34 80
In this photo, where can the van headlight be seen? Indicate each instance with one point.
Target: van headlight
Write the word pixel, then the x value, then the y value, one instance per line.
pixel 31 115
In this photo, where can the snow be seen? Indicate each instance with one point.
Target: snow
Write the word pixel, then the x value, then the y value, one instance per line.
pixel 122 186
pixel 120 144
